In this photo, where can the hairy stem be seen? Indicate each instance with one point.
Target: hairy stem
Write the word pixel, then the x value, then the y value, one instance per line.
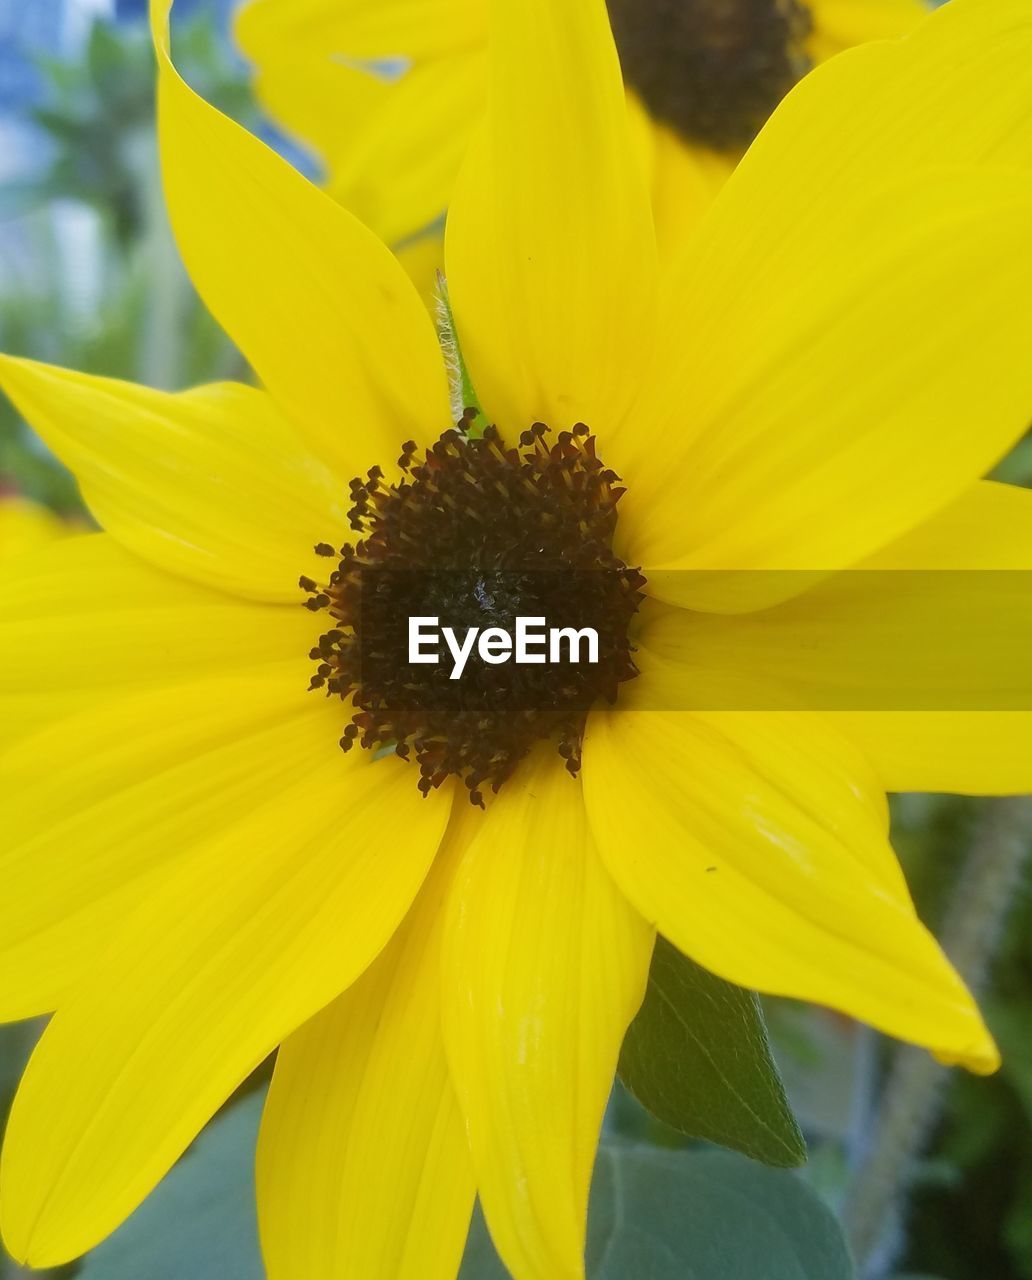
pixel 912 1098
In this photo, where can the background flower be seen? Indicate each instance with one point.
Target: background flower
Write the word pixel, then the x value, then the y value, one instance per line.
pixel 387 93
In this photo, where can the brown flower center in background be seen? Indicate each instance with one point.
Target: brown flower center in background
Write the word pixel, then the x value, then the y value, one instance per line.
pixel 712 69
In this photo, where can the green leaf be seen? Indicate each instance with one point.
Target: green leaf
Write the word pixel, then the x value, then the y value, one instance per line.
pixel 200 1222
pixel 695 1215
pixel 697 1057
pixel 59 124
pixel 105 57
pixel 480 1262
pixel 709 1215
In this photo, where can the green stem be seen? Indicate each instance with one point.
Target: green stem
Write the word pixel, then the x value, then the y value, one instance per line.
pixel 463 393
pixel 912 1099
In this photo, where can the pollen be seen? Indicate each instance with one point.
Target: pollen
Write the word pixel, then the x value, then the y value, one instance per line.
pixel 714 70
pixel 477 534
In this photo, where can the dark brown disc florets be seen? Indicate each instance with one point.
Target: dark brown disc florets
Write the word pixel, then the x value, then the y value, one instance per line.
pixel 476 535
pixel 712 69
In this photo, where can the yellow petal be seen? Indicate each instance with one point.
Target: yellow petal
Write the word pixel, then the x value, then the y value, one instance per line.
pixel 544 967
pixel 26 525
pixel 686 179
pixel 363 1164
pixel 83 620
pixel 989 527
pixel 873 638
pixel 403 157
pixel 212 483
pixel 359 29
pixel 818 369
pixel 550 248
pixel 920 654
pixel 752 843
pixel 423 259
pixel 97 809
pixel 302 78
pixel 248 938
pixel 975 752
pixel 835 427
pixel 840 24
pixel 318 305
pixel 387 92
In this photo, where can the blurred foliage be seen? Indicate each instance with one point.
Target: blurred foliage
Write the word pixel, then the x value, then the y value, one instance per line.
pixel 100 107
pixel 694 1215
pixel 91 277
pixel 972 1213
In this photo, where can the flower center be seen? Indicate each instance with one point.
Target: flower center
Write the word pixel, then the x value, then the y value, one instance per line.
pixel 713 69
pixel 478 537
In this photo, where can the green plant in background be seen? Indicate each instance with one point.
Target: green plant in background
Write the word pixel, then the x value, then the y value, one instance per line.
pixel 100 116
pixel 970 1215
pixel 128 309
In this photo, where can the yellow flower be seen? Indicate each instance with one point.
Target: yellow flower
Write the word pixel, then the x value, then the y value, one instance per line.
pixel 388 92
pixel 194 873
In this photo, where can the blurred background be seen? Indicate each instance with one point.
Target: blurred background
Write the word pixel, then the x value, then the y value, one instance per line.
pixel 88 273
pixel 929 1172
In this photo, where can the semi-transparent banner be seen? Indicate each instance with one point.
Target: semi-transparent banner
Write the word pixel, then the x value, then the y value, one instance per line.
pixel 856 640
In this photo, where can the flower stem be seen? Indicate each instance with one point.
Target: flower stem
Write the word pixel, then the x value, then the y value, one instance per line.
pixel 912 1098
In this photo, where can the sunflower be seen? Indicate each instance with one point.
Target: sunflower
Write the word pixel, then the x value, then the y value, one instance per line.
pixel 388 92
pixel 195 873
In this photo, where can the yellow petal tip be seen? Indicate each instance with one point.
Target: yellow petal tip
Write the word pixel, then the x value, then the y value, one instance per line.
pixel 159 23
pixel 982 1059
